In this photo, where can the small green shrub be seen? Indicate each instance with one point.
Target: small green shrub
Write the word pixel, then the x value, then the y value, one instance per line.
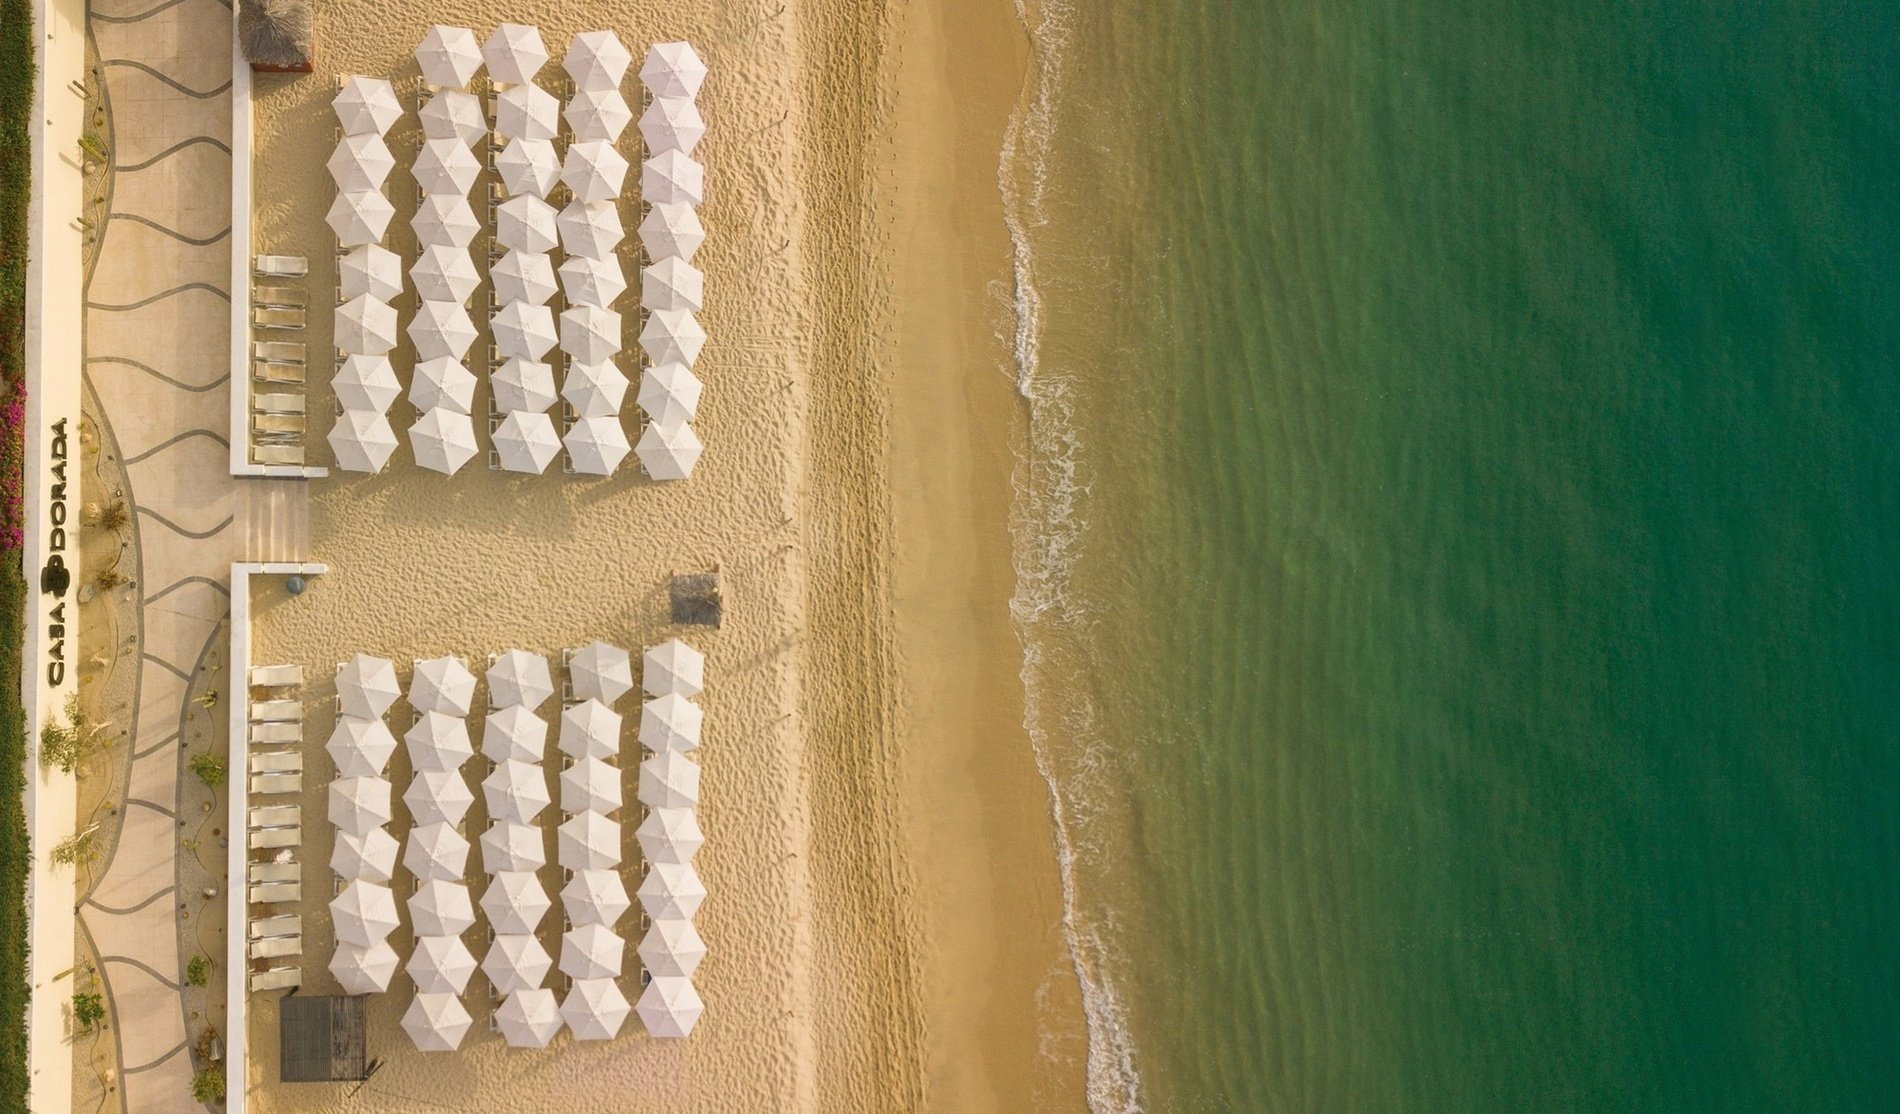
pixel 74 848
pixel 209 768
pixel 88 1011
pixel 198 971
pixel 208 1085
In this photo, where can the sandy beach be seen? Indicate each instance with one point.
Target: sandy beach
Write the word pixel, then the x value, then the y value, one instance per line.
pixel 863 719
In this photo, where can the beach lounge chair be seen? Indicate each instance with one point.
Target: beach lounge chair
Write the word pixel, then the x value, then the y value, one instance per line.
pixel 265 317
pixel 276 733
pixel 277 404
pixel 278 351
pixel 277 374
pixel 277 978
pixel 277 423
pixel 272 893
pixel 272 816
pixel 276 711
pixel 281 266
pixel 279 296
pixel 269 839
pixel 265 784
pixel 273 676
pixel 276 947
pixel 278 762
pixel 277 454
pixel 283 924
pixel 274 872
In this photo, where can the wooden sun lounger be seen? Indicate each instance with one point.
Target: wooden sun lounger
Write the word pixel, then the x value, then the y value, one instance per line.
pixel 276 711
pixel 272 893
pixel 278 351
pixel 275 816
pixel 277 454
pixel 279 296
pixel 277 978
pixel 274 872
pixel 278 374
pixel 276 947
pixel 276 733
pixel 271 676
pixel 277 423
pixel 267 839
pixel 278 404
pixel 278 762
pixel 266 784
pixel 283 924
pixel 281 266
pixel 264 317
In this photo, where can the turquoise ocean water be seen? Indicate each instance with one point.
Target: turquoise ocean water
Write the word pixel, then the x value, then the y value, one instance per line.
pixel 1460 556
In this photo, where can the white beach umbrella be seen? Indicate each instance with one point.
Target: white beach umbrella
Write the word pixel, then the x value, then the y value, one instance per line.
pixel 596 446
pixel 455 115
pixel 360 746
pixel 369 269
pixel 360 162
pixel 590 729
pixel 673 70
pixel 515 963
pixel 670 835
pixel 601 671
pixel 591 229
pixel 365 383
pixel 590 334
pixel 669 779
pixel 528 166
pixel 670 722
pixel 443 685
pixel 525 223
pixel 438 797
pixel 522 330
pixel 363 914
pixel 592 951
pixel 443 439
pixel 436 1022
pixel 672 124
pixel 672 669
pixel 359 217
pixel 523 276
pixel 588 841
pixel 441 965
pixel 668 452
pixel 441 908
pixel 442 383
pixel 595 390
pixel 595 1009
pixel 369 857
pixel 594 170
pixel 514 733
pixel 519 677
pixel 515 791
pixel 527 112
pixel 523 385
pixel 436 851
pixel 366 106
pixel 446 166
pixel 598 114
pixel 444 274
pixel 672 283
pixel 438 742
pixel 672 336
pixel 672 178
pixel 529 1018
pixel 670 1007
pixel 672 230
pixel 514 53
pixel 446 219
pixel 449 56
pixel 596 60
pixel 360 970
pixel 441 329
pixel 669 394
pixel 671 890
pixel 592 282
pixel 590 785
pixel 511 846
pixel 358 804
pixel 672 949
pixel 365 326
pixel 595 897
pixel 361 441
pixel 366 686
pixel 515 902
pixel 526 442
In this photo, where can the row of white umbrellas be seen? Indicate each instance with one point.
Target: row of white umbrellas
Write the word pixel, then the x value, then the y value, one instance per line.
pixel 369 275
pixel 363 914
pixel 442 439
pixel 672 290
pixel 672 673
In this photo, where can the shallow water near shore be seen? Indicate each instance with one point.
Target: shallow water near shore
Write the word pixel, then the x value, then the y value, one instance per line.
pixel 1456 553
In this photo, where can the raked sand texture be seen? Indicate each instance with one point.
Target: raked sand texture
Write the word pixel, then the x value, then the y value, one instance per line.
pixel 808 986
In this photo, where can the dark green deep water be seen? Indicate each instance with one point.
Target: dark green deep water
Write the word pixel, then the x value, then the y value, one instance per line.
pixel 1461 560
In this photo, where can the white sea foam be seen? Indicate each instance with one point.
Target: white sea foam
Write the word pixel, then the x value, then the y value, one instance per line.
pixel 1048 523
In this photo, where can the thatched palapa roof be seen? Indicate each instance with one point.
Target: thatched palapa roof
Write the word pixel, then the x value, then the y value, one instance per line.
pixel 276 34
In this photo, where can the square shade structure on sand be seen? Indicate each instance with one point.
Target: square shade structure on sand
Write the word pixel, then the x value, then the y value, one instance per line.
pixel 320 1037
